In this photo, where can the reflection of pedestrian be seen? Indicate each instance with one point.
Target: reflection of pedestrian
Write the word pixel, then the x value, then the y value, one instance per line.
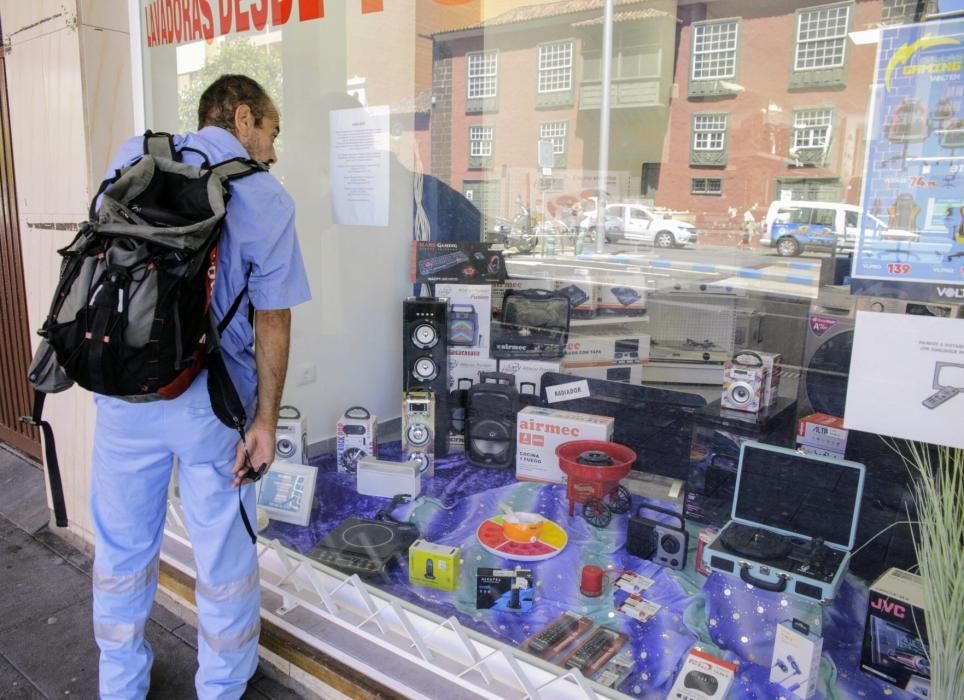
pixel 749 227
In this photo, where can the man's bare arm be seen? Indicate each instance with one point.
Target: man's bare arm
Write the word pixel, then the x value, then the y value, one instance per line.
pixel 272 340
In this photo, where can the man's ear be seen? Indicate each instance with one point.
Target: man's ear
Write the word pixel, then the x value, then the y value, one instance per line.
pixel 243 119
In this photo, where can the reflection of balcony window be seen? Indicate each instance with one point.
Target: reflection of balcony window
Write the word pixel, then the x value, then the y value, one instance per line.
pixel 555 67
pixel 554 81
pixel 709 140
pixel 713 58
pixel 480 146
pixel 482 85
pixel 811 135
pixel 820 47
pixel 706 185
pixel 555 132
pixel 635 75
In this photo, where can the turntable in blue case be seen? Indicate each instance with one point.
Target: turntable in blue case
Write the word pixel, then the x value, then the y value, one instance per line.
pixel 794 520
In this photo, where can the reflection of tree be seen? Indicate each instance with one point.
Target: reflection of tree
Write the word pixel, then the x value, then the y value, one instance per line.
pixel 260 62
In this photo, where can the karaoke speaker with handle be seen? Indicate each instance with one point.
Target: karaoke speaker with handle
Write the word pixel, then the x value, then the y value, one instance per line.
pixel 425 331
pixel 490 421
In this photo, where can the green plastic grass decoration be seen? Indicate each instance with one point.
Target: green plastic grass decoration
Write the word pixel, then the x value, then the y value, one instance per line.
pixel 938 492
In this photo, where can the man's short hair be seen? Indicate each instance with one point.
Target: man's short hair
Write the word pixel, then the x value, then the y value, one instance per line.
pixel 223 97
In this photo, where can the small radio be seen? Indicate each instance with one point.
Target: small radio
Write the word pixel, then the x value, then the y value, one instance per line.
pixel 356 436
pixel 745 379
pixel 659 542
pixel 418 430
pixel 291 436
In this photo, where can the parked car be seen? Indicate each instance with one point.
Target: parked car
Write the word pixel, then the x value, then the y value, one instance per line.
pixel 795 226
pixel 637 222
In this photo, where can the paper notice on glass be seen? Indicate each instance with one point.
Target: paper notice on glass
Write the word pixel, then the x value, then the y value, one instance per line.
pixel 907 378
pixel 359 165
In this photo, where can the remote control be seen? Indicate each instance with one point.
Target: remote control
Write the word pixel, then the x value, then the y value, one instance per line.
pixel 558 633
pixel 942 396
pixel 594 651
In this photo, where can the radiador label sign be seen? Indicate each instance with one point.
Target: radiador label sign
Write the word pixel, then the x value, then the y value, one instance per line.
pixel 178 21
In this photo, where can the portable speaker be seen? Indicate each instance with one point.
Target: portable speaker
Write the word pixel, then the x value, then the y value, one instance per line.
pixel 424 366
pixel 291 436
pixel 657 541
pixel 418 430
pixel 490 421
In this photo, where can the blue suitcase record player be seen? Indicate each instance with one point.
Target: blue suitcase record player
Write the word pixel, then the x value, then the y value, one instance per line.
pixel 794 520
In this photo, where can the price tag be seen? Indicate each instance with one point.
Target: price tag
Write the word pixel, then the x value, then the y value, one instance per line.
pixel 898 268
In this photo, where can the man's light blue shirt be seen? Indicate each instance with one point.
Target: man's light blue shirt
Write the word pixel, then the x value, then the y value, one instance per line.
pixel 258 235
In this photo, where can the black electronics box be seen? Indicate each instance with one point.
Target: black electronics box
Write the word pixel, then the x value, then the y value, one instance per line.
pixel 465 262
pixel 505 590
pixel 718 434
pixel 895 636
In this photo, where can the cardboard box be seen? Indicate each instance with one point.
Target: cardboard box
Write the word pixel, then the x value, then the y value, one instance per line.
pixel 540 430
pixel 466 364
pixel 702 677
pixel 505 590
pixel 632 374
pixel 355 438
pixel 824 431
pixel 434 565
pixel 796 659
pixel 528 373
pixel 582 297
pixel 820 452
pixel 516 283
pixel 592 349
pixel 773 361
pixel 617 298
pixel 470 316
pixel 895 635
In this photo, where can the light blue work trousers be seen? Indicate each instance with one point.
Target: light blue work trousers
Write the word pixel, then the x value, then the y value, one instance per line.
pixel 134 446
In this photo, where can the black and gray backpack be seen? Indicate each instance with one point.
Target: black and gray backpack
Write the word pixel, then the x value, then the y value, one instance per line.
pixel 131 314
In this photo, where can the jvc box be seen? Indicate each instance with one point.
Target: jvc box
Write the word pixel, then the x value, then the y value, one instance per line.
pixel 796 659
pixel 895 636
pixel 793 522
pixel 540 430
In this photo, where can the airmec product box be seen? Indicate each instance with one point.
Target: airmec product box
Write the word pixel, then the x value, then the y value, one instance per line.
pixel 615 297
pixel 582 297
pixel 629 373
pixel 895 636
pixel 516 284
pixel 823 431
pixel 539 431
pixel 434 565
pixel 463 364
pixel 528 373
pixel 594 349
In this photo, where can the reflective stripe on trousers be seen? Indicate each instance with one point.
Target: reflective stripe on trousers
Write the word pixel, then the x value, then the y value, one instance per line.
pixel 134 446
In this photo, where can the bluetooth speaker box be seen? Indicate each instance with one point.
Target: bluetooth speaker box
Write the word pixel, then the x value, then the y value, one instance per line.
pixel 469 316
pixel 796 659
pixel 539 431
pixel 895 636
pixel 434 565
pixel 291 436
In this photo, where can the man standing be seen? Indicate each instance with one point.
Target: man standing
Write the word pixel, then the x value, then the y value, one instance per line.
pixel 749 226
pixel 135 443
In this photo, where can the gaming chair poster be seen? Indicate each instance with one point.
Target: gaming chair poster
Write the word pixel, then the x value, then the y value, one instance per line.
pixel 912 227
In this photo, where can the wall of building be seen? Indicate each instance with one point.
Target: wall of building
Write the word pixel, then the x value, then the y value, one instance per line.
pixel 68 74
pixel 761 113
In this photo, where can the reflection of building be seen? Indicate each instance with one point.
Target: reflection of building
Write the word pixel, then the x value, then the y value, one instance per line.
pixel 772 101
pixel 532 74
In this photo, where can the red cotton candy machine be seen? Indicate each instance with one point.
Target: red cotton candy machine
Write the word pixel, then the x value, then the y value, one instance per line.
pixel 595 468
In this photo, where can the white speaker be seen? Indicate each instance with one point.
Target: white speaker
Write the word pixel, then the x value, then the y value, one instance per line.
pixel 291 436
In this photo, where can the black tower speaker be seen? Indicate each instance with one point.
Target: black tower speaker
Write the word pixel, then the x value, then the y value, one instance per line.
pixel 424 365
pixel 490 421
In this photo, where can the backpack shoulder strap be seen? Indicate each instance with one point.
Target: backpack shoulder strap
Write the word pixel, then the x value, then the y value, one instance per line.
pixel 160 145
pixel 237 168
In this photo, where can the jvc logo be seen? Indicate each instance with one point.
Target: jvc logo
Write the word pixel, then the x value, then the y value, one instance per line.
pixel 951 292
pixel 890 607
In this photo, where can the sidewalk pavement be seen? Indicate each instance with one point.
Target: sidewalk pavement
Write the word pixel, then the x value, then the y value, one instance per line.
pixel 47 645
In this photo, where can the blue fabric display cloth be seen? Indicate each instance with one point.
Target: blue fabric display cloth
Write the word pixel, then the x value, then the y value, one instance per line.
pixel 720 614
